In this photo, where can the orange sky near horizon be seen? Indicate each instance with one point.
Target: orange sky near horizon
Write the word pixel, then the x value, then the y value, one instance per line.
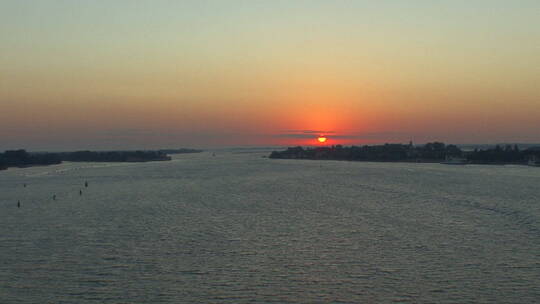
pixel 208 74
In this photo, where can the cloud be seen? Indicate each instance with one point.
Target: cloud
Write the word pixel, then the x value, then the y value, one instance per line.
pixel 303 133
pixel 309 132
pixel 351 136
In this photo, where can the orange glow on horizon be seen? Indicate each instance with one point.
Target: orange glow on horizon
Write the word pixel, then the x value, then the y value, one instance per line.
pixel 322 139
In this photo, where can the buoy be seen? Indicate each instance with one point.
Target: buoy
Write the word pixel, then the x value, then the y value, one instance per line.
pixel 18 204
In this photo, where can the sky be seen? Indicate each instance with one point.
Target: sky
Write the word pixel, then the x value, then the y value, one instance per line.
pixel 164 74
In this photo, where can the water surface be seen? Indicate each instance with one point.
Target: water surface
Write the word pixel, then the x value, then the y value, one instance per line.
pixel 240 228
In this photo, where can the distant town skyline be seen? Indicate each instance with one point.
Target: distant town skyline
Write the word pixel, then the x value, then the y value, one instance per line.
pixel 155 74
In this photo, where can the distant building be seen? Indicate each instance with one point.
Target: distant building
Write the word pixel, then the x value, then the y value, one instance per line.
pixel 411 151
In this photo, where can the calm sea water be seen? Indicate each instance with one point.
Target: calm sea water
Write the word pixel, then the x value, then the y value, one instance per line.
pixel 240 228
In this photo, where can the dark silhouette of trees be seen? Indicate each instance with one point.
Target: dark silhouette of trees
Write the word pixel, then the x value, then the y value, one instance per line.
pixel 499 155
pixel 430 152
pixel 21 158
pixel 113 156
pixel 388 152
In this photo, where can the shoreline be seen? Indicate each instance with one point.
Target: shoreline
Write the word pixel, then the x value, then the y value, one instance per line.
pixel 435 152
pixel 409 162
pixel 23 159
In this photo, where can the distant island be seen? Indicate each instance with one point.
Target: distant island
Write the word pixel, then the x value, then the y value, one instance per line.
pixel 430 152
pixel 22 158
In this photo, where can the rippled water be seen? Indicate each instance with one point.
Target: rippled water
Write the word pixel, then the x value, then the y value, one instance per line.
pixel 240 228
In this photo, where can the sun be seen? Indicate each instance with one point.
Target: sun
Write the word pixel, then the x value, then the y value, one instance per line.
pixel 322 139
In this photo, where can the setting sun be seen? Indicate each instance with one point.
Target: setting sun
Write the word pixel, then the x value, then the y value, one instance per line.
pixel 322 139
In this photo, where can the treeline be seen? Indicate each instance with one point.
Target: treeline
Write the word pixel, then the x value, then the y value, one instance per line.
pixel 113 156
pixel 507 155
pixel 435 151
pixel 430 152
pixel 21 158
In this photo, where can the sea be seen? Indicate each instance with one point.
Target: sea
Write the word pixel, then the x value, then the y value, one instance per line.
pixel 238 227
